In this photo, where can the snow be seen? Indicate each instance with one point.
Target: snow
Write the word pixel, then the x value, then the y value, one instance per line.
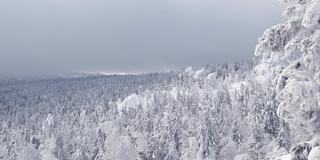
pixel 133 102
pixel 234 111
pixel 199 73
pixel 189 70
pixel 2 152
pixel 314 153
pixel 242 157
pixel 286 157
pixel 48 148
pixel 30 153
pixel 312 15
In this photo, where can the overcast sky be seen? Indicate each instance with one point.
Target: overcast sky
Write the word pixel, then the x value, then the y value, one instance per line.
pixel 58 36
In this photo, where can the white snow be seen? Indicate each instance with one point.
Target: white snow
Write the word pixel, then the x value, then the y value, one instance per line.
pixel 233 111
pixel 314 153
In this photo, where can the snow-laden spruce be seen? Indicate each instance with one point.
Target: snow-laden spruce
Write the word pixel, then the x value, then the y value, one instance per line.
pixel 290 58
pixel 268 109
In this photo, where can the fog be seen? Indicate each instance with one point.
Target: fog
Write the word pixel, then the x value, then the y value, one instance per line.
pixel 128 36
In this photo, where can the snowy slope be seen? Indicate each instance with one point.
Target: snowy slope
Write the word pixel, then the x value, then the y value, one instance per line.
pixel 266 109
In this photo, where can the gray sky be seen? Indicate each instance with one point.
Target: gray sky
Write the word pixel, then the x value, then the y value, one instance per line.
pixel 57 36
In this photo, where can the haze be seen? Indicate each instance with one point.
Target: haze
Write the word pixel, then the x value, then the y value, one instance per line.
pixel 128 36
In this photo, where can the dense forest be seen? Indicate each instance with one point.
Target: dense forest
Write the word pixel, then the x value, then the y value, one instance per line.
pixel 267 108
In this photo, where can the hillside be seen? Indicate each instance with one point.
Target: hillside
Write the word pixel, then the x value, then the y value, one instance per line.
pixel 267 108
